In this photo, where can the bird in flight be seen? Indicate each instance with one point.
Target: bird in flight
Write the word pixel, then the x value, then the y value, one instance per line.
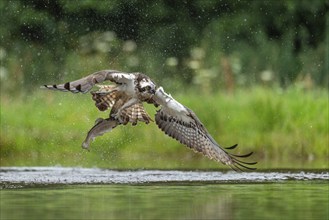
pixel 125 97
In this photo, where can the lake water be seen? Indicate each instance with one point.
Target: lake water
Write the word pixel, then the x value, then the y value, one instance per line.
pixel 79 193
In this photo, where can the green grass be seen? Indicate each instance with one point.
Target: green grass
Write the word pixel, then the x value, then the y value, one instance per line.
pixel 285 129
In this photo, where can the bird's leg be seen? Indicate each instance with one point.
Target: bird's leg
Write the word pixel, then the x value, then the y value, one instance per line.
pixel 101 127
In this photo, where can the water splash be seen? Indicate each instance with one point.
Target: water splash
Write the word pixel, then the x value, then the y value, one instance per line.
pixel 11 176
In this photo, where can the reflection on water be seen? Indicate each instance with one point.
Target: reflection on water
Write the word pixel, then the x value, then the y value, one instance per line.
pixel 290 200
pixel 79 193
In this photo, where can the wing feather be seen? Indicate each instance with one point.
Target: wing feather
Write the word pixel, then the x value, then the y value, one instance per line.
pixel 104 101
pixel 135 113
pixel 85 84
pixel 182 124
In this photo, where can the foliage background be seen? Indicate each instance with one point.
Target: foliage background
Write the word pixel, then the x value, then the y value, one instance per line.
pixel 259 67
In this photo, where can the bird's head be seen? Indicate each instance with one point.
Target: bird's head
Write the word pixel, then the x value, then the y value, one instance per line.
pixel 145 86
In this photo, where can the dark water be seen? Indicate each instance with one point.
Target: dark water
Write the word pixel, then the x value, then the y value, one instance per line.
pixel 75 193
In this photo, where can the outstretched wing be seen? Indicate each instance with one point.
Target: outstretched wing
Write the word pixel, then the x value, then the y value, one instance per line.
pixel 83 85
pixel 182 124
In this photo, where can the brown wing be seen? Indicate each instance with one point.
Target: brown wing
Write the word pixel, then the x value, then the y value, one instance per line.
pixel 135 113
pixel 105 97
pixel 193 134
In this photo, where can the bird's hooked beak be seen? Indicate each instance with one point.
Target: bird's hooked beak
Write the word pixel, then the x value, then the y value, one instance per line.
pixel 152 91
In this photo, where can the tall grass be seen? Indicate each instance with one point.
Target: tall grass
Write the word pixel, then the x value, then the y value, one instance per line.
pixel 285 129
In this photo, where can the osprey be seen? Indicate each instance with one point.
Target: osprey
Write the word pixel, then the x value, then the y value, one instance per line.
pixel 125 99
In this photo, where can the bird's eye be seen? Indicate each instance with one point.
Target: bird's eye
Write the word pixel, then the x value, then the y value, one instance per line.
pixel 146 88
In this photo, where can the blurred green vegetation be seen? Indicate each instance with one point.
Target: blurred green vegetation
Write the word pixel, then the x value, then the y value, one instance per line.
pixel 210 44
pixel 259 67
pixel 285 129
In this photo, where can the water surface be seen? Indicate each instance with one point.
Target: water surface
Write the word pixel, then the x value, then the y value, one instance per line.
pixel 78 193
pixel 14 176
